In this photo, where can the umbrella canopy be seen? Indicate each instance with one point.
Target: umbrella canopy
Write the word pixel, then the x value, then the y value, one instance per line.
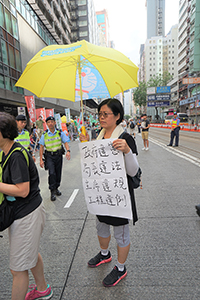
pixel 78 71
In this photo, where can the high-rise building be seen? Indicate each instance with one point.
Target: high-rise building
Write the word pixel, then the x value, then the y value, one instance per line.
pixel 102 20
pixel 26 27
pixel 189 57
pixel 160 58
pixel 87 22
pixel 155 18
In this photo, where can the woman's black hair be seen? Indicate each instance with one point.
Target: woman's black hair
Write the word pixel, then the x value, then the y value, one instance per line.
pixel 8 126
pixel 116 107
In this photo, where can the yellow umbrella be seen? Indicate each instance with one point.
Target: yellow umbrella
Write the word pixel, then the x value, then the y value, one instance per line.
pixel 78 71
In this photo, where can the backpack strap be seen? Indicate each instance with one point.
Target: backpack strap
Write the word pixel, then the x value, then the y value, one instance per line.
pixel 15 149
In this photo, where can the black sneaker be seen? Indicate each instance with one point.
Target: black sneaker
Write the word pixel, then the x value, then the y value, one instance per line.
pixel 57 192
pixel 114 277
pixel 99 259
pixel 198 210
pixel 53 197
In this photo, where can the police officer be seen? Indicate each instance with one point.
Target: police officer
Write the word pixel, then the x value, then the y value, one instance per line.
pixel 23 135
pixel 52 140
pixel 175 127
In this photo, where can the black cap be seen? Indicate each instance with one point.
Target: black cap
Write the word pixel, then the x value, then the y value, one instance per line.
pixel 21 118
pixel 50 118
pixel 175 113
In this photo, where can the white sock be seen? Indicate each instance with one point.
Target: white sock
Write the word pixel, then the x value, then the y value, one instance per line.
pixel 104 252
pixel 120 266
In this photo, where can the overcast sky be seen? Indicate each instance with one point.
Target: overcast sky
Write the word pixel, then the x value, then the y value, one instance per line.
pixel 127 20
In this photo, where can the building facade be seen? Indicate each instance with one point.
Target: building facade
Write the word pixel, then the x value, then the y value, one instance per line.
pixel 155 18
pixel 26 27
pixel 102 20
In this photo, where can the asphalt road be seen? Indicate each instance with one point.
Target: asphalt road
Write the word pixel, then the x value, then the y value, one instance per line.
pixel 163 262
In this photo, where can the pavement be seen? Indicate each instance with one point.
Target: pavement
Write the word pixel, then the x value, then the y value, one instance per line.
pixel 163 263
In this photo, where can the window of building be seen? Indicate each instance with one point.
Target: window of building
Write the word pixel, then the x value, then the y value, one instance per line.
pixel 2 18
pixel 81 2
pixel 83 33
pixel 7 83
pixel 11 56
pixel 1 81
pixel 82 13
pixel 8 21
pixel 82 23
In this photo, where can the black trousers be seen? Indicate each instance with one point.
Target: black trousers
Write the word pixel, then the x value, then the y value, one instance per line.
pixel 54 163
pixel 175 133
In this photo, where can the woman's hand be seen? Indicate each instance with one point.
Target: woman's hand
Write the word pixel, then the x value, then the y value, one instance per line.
pixel 121 144
pixel 84 138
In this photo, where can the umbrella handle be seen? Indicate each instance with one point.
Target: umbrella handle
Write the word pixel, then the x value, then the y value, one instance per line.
pixel 83 131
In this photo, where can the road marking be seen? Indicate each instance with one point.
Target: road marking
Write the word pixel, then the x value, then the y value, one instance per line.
pixel 71 199
pixel 188 157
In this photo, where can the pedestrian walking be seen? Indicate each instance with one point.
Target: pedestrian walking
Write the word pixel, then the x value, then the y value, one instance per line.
pixel 20 184
pixel 93 132
pixel 132 127
pixel 39 126
pixel 23 135
pixel 52 140
pixel 145 124
pixel 175 127
pixel 111 114
pixel 138 125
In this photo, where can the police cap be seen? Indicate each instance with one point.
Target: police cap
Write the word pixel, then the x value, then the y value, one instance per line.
pixel 21 118
pixel 50 118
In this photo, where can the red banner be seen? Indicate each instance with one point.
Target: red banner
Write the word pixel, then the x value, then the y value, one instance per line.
pixel 49 112
pixel 30 103
pixel 41 112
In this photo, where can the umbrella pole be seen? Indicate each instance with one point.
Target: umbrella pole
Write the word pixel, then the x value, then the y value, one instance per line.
pixel 83 130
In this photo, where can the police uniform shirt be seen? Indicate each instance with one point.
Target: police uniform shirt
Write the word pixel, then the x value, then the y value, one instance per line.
pixel 63 136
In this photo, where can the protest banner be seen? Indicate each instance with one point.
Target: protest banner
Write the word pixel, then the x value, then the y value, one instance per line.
pixel 104 179
pixel 30 103
pixel 49 112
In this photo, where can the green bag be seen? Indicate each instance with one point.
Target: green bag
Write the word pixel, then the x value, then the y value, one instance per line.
pixel 7 208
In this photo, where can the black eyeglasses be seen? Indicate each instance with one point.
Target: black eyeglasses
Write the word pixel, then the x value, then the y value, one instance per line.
pixel 104 114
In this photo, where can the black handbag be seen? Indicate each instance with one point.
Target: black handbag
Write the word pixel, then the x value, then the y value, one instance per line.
pixel 7 214
pixel 137 179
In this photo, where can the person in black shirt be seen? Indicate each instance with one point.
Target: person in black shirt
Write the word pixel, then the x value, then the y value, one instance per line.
pixel 20 184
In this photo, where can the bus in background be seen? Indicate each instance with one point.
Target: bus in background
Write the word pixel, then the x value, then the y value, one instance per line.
pixel 184 119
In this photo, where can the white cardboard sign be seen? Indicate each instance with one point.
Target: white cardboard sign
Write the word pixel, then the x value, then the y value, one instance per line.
pixel 104 179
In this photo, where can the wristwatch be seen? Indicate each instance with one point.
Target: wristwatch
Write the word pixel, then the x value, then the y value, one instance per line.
pixel 68 150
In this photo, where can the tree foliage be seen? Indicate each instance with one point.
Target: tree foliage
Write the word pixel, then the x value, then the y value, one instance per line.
pixel 140 93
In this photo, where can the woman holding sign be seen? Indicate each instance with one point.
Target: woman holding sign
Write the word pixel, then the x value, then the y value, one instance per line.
pixel 111 114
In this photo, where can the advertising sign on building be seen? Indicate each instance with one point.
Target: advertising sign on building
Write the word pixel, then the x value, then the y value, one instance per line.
pixel 163 89
pixel 151 90
pixel 159 97
pixel 21 111
pixel 191 80
pixel 158 103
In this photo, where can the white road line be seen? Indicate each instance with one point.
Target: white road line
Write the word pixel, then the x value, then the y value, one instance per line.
pixel 71 199
pixel 188 157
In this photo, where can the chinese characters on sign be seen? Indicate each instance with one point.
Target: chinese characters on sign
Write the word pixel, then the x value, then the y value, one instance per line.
pixel 104 179
pixel 30 103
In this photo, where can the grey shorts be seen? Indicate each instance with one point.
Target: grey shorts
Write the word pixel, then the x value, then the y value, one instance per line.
pixel 121 233
pixel 24 239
